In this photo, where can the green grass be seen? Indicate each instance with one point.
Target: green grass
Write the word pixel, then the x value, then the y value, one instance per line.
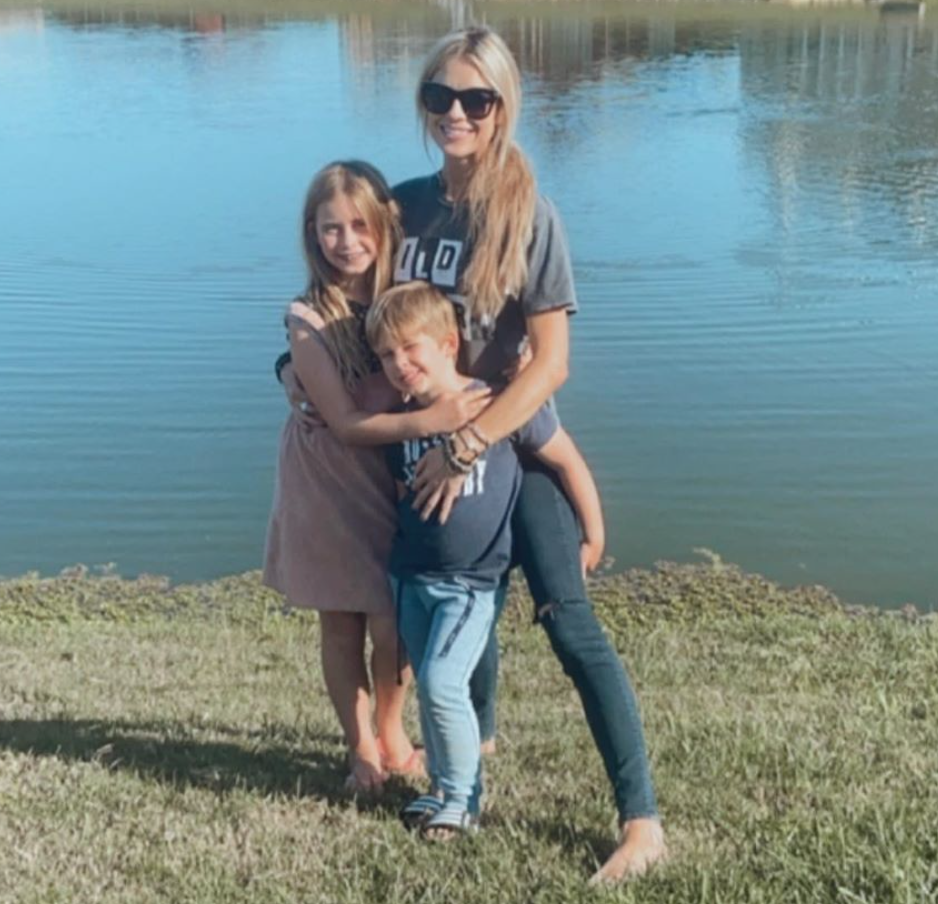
pixel 174 744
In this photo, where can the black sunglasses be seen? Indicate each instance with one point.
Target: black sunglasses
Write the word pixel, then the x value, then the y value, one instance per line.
pixel 476 103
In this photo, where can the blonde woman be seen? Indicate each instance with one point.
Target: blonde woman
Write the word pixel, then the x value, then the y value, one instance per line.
pixel 479 230
pixel 333 515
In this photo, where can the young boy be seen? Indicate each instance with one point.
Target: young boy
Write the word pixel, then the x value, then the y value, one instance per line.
pixel 447 577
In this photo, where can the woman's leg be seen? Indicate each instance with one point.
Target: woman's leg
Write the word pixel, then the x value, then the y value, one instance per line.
pixel 547 541
pixel 483 685
pixel 391 682
pixel 343 667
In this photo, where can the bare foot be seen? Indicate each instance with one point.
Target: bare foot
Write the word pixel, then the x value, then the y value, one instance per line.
pixel 365 776
pixel 641 844
pixel 488 747
pixel 403 759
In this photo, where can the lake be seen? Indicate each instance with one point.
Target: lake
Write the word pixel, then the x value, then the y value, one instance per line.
pixel 751 196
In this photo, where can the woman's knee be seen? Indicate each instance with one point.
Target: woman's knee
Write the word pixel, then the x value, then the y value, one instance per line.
pixel 575 633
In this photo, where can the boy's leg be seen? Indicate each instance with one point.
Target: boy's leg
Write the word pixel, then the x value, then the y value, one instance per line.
pixel 483 685
pixel 414 622
pixel 547 547
pixel 462 620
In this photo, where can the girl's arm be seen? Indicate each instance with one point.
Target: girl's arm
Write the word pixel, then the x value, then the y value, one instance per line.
pixel 323 384
pixel 549 337
pixel 560 454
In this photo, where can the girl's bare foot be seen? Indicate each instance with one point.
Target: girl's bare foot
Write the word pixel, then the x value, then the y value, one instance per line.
pixel 641 844
pixel 365 775
pixel 404 759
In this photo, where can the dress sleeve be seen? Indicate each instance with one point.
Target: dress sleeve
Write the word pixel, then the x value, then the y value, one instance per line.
pixel 550 272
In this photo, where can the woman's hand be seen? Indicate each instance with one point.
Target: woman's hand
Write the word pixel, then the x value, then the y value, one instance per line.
pixel 435 487
pixel 453 410
pixel 591 554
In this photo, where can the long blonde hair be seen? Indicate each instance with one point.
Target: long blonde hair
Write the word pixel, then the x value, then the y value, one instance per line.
pixel 366 188
pixel 501 193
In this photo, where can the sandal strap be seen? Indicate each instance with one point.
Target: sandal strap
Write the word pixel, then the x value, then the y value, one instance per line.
pixel 455 818
pixel 420 809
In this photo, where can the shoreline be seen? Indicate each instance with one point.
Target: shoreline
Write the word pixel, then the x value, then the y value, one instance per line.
pixel 668 591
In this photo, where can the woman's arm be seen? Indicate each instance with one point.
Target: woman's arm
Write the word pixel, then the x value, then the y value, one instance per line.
pixel 549 338
pixel 562 456
pixel 323 384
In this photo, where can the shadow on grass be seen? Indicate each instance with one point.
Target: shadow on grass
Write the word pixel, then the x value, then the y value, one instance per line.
pixel 145 749
pixel 583 846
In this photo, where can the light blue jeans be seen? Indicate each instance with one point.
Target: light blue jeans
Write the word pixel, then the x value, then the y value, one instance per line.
pixel 445 627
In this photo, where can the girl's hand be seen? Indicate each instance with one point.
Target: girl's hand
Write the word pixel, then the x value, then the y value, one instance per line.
pixel 453 410
pixel 591 554
pixel 435 487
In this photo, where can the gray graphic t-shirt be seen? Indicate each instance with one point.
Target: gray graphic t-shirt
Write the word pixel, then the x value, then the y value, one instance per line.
pixel 436 249
pixel 475 543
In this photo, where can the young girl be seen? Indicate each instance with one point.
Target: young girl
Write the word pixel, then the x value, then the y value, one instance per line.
pixel 479 231
pixel 333 515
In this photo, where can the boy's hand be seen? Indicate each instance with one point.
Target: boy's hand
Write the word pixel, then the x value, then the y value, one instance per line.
pixel 453 410
pixel 434 487
pixel 591 554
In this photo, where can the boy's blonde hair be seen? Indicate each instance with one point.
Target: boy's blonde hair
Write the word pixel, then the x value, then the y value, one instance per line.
pixel 412 307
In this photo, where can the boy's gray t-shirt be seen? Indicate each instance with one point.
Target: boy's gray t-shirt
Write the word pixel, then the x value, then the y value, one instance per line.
pixel 436 249
pixel 474 544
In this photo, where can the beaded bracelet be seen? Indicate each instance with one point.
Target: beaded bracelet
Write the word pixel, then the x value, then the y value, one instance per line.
pixel 478 434
pixel 454 463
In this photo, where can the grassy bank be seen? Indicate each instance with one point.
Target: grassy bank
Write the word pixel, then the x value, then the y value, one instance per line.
pixel 175 745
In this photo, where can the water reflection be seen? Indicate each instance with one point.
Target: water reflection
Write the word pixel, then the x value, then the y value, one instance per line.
pixel 751 195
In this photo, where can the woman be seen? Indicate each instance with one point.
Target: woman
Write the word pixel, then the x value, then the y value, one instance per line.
pixel 479 231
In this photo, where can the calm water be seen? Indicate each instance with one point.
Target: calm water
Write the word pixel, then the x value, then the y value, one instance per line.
pixel 751 195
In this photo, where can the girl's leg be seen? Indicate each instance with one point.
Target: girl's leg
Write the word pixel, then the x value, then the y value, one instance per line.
pixel 343 667
pixel 483 685
pixel 391 683
pixel 547 547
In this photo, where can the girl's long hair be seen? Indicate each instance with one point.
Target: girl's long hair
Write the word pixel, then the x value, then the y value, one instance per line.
pixel 366 188
pixel 501 193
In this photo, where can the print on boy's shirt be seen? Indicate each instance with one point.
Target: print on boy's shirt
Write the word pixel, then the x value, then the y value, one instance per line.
pixel 414 450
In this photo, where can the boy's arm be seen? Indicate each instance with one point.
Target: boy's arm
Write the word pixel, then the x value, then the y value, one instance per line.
pixel 560 454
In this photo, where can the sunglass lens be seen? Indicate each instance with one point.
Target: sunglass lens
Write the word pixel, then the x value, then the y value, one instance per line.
pixel 436 98
pixel 477 102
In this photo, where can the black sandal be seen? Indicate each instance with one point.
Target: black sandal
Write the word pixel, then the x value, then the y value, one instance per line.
pixel 419 810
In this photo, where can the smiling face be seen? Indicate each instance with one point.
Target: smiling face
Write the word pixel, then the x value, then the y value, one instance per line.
pixel 458 136
pixel 418 364
pixel 346 241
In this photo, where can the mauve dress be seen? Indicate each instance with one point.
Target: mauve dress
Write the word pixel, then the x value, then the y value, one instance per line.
pixel 332 519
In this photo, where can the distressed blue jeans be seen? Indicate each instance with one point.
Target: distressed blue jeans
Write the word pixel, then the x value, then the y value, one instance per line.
pixel 445 627
pixel 547 547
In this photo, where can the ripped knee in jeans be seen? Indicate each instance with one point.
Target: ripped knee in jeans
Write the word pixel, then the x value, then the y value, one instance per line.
pixel 548 609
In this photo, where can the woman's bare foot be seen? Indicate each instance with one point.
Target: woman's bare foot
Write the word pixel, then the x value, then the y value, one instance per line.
pixel 641 844
pixel 488 747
